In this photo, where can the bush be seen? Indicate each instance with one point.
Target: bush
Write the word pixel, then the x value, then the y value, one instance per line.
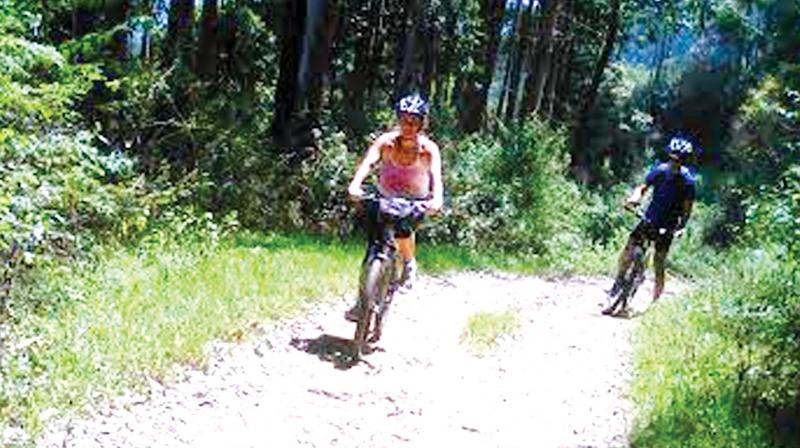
pixel 715 367
pixel 774 216
pixel 509 192
pixel 60 188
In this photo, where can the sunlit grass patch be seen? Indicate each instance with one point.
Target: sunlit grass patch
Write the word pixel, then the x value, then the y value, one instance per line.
pixel 140 312
pixel 483 329
pixel 713 366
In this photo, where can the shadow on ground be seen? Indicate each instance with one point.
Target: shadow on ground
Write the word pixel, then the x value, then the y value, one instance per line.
pixel 340 352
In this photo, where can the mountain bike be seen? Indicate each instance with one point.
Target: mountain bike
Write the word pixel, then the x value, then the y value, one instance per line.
pixel 382 269
pixel 634 275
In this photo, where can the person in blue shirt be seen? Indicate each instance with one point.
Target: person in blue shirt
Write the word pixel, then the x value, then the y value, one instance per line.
pixel 673 189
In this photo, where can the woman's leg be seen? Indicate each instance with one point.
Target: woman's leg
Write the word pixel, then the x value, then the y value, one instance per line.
pixel 407 247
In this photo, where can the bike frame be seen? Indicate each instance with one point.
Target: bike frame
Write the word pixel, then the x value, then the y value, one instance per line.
pixel 380 278
pixel 634 276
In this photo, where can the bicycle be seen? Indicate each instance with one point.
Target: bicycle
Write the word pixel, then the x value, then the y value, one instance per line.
pixel 634 275
pixel 382 269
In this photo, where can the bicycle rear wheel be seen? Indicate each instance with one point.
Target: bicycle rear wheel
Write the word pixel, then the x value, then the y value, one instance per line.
pixel 372 292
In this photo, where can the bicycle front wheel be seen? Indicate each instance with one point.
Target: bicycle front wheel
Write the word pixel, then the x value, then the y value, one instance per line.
pixel 372 291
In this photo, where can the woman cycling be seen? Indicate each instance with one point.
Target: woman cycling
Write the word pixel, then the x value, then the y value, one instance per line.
pixel 410 166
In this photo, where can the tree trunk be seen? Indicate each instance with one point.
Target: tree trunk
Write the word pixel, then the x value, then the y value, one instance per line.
pixel 376 48
pixel 406 73
pixel 556 96
pixel 448 51
pixel 475 90
pixel 513 46
pixel 580 159
pixel 178 44
pixel 537 78
pixel 524 33
pixel 357 81
pixel 286 93
pixel 325 23
pixel 307 36
pixel 429 55
pixel 208 44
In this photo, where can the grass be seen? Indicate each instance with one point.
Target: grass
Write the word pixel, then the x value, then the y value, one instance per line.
pixel 595 260
pixel 483 329
pixel 709 365
pixel 141 312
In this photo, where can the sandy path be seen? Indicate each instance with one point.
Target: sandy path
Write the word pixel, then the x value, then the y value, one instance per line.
pixel 559 381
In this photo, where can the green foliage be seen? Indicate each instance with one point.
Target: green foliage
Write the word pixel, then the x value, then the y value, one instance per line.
pixel 61 188
pixel 774 216
pixel 309 193
pixel 509 192
pixel 714 366
pixel 767 135
pixel 38 86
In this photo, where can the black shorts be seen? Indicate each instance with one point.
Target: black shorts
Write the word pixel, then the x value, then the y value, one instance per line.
pixel 646 231
pixel 376 226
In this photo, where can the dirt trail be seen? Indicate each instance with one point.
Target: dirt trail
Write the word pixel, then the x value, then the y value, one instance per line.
pixel 559 381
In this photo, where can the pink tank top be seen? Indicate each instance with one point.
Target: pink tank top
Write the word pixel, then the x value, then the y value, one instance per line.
pixel 412 181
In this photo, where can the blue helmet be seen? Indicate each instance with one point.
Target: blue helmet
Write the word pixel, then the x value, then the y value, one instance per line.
pixel 680 148
pixel 413 104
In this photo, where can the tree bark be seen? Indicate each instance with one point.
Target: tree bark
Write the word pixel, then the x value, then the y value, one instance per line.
pixel 207 50
pixel 513 46
pixel 475 89
pixel 357 80
pixel 580 162
pixel 448 52
pixel 178 44
pixel 535 83
pixel 524 33
pixel 406 79
pixel 286 94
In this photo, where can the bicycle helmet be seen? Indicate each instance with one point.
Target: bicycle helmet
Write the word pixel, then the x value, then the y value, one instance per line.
pixel 413 104
pixel 680 148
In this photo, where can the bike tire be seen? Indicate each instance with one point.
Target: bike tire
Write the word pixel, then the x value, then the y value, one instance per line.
pixel 630 282
pixel 371 292
pixel 633 278
pixel 389 284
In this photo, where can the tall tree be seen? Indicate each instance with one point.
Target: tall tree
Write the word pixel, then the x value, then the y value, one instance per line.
pixel 475 83
pixel 541 69
pixel 579 155
pixel 307 31
pixel 207 48
pixel 407 73
pixel 516 61
pixel 287 92
pixel 179 43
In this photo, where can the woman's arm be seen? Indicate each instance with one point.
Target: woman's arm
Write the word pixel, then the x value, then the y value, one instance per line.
pixel 372 156
pixel 437 200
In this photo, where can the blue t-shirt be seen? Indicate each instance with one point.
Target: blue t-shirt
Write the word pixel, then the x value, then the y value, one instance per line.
pixel 670 190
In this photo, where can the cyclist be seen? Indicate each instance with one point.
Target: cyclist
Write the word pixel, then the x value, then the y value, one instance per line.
pixel 669 209
pixel 410 167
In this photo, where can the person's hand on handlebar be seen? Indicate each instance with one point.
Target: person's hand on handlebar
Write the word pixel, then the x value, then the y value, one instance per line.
pixel 434 205
pixel 355 192
pixel 631 204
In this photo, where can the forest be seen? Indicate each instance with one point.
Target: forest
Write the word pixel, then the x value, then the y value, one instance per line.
pixel 154 138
